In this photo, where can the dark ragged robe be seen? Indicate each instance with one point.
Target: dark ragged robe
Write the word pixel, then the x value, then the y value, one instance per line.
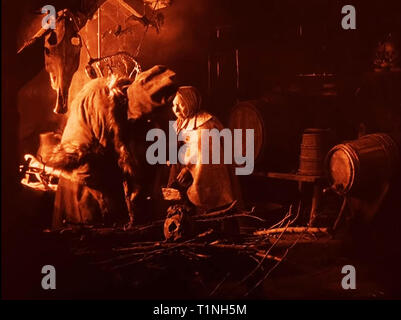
pixel 101 162
pixel 92 191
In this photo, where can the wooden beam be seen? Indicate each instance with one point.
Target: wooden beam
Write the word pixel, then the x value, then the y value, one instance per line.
pixel 127 7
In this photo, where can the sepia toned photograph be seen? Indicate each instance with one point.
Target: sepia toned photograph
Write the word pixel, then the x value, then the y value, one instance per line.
pixel 191 152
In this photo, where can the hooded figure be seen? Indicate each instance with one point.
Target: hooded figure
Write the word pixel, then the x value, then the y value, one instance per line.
pixel 210 186
pixel 98 185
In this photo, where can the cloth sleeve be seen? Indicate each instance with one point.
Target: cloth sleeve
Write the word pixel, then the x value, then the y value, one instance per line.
pixel 87 122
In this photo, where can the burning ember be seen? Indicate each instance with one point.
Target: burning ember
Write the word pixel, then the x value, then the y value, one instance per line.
pixel 38 176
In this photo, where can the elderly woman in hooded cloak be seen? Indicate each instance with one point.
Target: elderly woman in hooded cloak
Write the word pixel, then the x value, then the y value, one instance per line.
pixel 208 185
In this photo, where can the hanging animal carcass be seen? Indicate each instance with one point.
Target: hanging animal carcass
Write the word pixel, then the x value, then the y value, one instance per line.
pixel 62 53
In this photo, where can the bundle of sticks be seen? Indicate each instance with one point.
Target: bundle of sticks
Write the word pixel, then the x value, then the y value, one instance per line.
pixel 248 257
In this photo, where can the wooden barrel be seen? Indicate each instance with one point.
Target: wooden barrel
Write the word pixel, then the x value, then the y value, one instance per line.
pixel 358 164
pixel 314 147
pixel 247 115
pixel 277 131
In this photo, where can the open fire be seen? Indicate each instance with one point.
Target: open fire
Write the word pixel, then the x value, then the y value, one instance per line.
pixel 37 175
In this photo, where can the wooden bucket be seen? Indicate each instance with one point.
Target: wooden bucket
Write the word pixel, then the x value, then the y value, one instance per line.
pixel 355 165
pixel 313 151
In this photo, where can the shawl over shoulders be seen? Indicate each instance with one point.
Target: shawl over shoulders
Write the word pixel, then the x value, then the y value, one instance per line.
pixel 214 185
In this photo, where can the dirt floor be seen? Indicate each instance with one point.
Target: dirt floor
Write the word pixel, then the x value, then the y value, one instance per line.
pixel 311 268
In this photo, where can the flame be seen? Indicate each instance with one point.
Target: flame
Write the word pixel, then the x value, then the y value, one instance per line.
pixel 38 176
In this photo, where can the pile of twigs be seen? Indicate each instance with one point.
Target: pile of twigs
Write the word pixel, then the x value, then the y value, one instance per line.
pixel 122 251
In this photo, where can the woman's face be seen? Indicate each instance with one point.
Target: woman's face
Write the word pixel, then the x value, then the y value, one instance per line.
pixel 177 107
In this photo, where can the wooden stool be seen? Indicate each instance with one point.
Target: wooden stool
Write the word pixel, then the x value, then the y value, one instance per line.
pixel 317 182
